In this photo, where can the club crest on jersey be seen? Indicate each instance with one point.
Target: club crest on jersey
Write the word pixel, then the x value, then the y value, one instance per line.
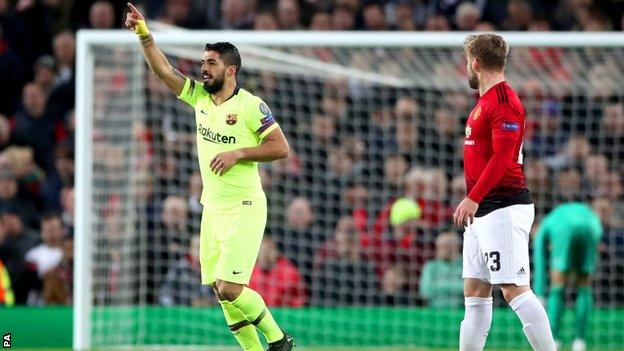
pixel 468 131
pixel 476 113
pixel 231 119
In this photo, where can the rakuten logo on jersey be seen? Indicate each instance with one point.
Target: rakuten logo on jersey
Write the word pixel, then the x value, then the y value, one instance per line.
pixel 213 137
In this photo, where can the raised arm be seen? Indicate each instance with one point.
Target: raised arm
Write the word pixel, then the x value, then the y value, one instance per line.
pixel 155 59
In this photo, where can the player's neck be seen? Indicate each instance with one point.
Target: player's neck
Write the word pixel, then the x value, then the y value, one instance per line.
pixel 226 92
pixel 489 79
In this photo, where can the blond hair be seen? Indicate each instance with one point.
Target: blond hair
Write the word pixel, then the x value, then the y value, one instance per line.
pixel 490 49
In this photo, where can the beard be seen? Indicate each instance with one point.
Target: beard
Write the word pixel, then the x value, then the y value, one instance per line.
pixel 473 80
pixel 216 85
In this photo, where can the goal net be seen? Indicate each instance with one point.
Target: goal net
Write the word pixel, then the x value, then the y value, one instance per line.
pixel 360 248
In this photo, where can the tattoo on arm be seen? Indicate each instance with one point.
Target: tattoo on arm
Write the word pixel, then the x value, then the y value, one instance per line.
pixel 178 73
pixel 147 41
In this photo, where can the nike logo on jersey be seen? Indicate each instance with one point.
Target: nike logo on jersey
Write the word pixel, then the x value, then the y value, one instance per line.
pixel 202 111
pixel 235 272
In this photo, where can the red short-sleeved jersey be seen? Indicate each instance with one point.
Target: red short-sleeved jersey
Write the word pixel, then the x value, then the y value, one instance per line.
pixel 493 145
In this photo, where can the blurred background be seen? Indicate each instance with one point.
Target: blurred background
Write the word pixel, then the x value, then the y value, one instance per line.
pixel 336 236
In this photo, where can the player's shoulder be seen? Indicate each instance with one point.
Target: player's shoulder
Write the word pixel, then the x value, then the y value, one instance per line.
pixel 252 102
pixel 245 96
pixel 505 98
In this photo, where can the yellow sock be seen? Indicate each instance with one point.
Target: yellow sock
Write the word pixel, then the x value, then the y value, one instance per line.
pixel 244 332
pixel 251 304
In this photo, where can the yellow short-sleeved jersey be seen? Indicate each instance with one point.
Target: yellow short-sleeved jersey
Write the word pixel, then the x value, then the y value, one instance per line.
pixel 241 121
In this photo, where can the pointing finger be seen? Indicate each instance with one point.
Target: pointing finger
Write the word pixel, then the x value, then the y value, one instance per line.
pixel 133 9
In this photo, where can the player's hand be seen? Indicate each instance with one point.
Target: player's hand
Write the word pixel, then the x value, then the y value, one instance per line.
pixel 136 22
pixel 465 213
pixel 222 162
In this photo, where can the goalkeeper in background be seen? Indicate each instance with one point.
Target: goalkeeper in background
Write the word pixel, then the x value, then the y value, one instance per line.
pixel 570 235
pixel 235 131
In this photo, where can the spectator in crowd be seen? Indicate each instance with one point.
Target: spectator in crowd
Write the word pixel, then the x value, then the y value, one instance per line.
pixel 236 14
pixel 395 288
pixel 299 238
pixel 102 15
pixel 613 238
pixel 61 176
pixel 169 242
pixel 182 285
pixel 175 225
pixel 45 74
pixel 612 188
pixel 406 130
pixel 18 240
pixel 340 258
pixel 288 14
pixel 321 20
pixel 343 18
pixel 441 283
pixel 276 278
pixel 458 189
pixel 265 20
pixel 437 23
pixel 404 16
pixel 9 196
pixel 45 257
pixel 20 162
pixel 611 130
pixel 540 182
pixel 576 151
pixel 374 17
pixel 58 283
pixel 444 137
pixel 519 15
pixel 32 127
pixel 467 16
pixel 596 166
pixel 592 19
pixel 177 13
pixel 568 186
pixel 355 200
pixel 401 244
pixel 65 55
pixel 395 168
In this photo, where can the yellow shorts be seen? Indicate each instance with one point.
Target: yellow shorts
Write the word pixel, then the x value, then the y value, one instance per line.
pixel 229 243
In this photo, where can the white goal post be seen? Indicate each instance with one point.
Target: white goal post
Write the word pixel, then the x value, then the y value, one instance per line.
pixel 88 41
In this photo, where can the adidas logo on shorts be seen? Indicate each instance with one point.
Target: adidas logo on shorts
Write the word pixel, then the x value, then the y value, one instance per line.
pixel 521 271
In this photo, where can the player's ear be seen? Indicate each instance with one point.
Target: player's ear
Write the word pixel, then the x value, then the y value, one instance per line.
pixel 475 64
pixel 232 70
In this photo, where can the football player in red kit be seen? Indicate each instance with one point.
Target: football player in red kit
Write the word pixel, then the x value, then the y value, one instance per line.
pixel 498 212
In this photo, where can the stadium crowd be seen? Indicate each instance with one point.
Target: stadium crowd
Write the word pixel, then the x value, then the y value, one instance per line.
pixel 361 211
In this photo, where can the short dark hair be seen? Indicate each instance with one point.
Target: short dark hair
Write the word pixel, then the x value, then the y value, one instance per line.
pixel 490 49
pixel 228 52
